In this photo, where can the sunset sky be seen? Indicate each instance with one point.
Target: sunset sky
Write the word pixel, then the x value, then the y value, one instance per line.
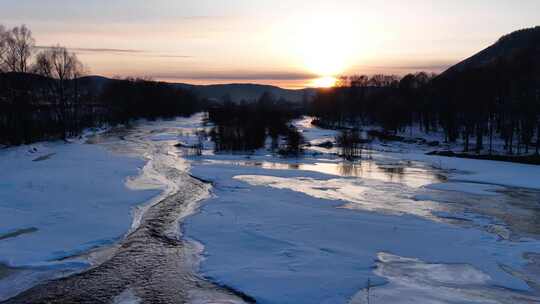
pixel 286 43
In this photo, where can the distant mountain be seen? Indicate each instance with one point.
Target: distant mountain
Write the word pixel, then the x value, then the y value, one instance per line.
pixel 522 43
pixel 94 83
pixel 237 92
pixel 248 92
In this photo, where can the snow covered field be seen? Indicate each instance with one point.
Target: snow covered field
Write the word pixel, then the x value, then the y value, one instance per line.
pixel 396 227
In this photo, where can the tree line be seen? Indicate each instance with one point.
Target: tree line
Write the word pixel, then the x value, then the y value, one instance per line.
pixel 44 95
pixel 477 105
pixel 247 125
pixel 130 98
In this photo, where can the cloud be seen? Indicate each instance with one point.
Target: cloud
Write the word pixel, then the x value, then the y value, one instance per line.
pixel 95 50
pixel 171 56
pixel 104 50
pixel 407 67
pixel 113 51
pixel 236 75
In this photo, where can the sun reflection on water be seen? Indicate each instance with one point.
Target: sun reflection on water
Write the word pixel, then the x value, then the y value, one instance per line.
pixel 411 176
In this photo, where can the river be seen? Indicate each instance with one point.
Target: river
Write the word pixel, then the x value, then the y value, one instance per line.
pixel 393 227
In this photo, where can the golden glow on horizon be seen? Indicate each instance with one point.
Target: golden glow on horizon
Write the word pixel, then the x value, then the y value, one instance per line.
pixel 284 43
pixel 324 82
pixel 325 43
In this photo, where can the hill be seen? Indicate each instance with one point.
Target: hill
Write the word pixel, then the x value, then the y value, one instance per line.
pixel 518 46
pixel 237 92
pixel 240 91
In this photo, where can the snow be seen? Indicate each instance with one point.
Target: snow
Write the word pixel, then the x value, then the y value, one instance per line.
pixel 284 246
pixel 314 134
pixel 315 229
pixel 467 170
pixel 481 171
pixel 74 200
pixel 20 279
pixel 471 188
pixel 127 297
pixel 318 230
pixel 414 281
pixel 354 193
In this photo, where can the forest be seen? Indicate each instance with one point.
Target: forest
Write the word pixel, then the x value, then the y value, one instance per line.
pixel 477 105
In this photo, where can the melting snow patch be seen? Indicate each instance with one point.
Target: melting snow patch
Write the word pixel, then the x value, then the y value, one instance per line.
pixel 127 297
pixel 355 194
pixel 415 281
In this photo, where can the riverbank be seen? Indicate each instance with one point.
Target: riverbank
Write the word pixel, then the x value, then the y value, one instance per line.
pixel 520 159
pixel 434 144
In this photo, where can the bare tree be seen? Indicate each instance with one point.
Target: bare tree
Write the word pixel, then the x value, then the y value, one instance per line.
pixel 3 48
pixel 16 48
pixel 359 81
pixel 63 69
pixel 58 63
pixel 350 143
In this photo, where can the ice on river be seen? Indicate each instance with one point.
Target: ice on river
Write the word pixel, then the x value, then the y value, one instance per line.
pixel 71 201
pixel 415 281
pixel 266 235
pixel 58 200
pixel 408 226
pixel 310 230
pixel 471 188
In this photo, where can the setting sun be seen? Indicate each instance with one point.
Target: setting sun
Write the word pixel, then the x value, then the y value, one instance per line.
pixel 325 46
pixel 324 82
pixel 323 43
